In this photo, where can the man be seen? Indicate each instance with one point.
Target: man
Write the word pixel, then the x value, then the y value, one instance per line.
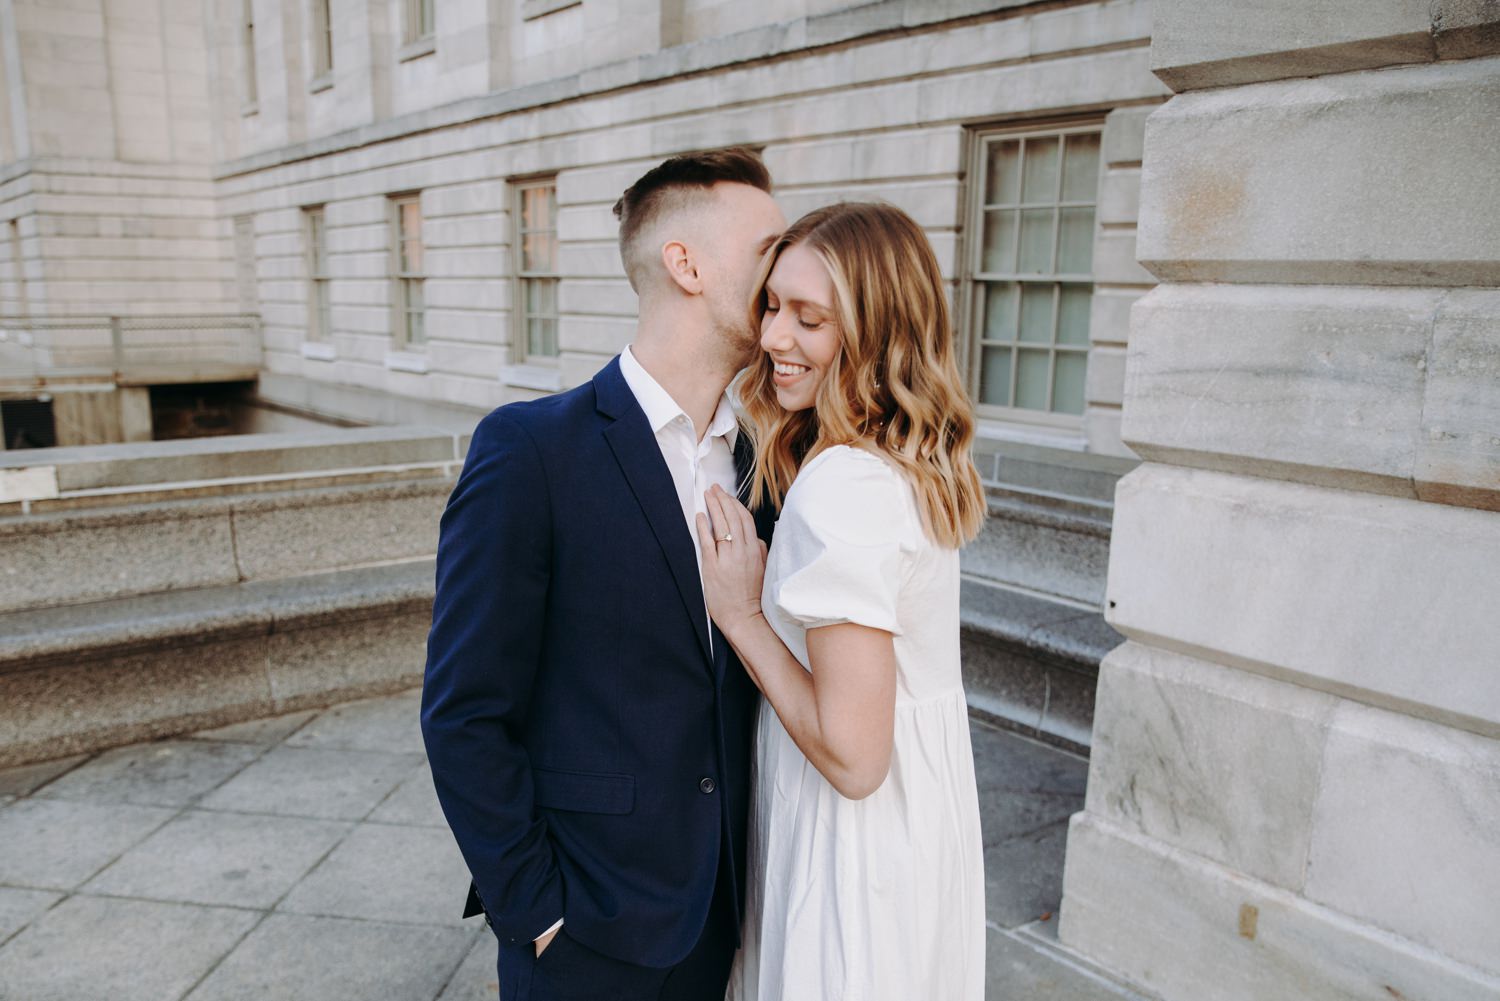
pixel 588 727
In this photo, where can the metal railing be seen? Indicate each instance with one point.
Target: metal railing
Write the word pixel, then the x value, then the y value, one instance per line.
pixel 129 349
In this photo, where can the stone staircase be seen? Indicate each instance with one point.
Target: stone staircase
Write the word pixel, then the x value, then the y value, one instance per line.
pixel 1033 590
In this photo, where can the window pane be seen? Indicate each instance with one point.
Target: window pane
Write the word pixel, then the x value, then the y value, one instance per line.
pixel 1075 244
pixel 541 337
pixel 541 297
pixel 1031 379
pixel 994 377
pixel 538 252
pixel 1040 181
pixel 1000 312
pixel 1073 314
pixel 425 7
pixel 1036 241
pixel 414 295
pixel 1067 385
pixel 415 334
pixel 1003 181
pixel 324 307
pixel 1081 168
pixel 1036 313
pixel 999 242
pixel 537 206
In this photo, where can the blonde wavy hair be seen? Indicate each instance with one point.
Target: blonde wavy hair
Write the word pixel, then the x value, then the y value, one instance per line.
pixel 894 383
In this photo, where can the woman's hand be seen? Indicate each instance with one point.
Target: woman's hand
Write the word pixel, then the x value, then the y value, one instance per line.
pixel 734 561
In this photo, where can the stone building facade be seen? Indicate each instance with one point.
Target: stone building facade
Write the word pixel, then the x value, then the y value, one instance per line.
pixel 362 174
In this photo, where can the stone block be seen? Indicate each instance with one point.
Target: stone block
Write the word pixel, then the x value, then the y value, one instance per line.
pixel 1215 761
pixel 1407 831
pixel 128 552
pixel 388 723
pixel 84 705
pixel 1196 44
pixel 1332 589
pixel 1212 932
pixel 1101 427
pixel 1124 136
pixel 1105 382
pixel 56 845
pixel 1115 261
pixel 1458 449
pixel 86 942
pixel 349 658
pixel 278 535
pixel 1338 202
pixel 158 773
pixel 318 782
pixel 1119 196
pixel 1344 409
pixel 1042 551
pixel 287 955
pixel 213 857
pixel 386 873
pixel 1464 29
pixel 1109 313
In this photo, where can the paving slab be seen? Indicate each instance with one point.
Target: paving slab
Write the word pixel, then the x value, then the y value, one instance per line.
pixel 19 907
pixel 294 956
pixel 56 844
pixel 321 782
pixel 414 802
pixel 385 873
pixel 160 773
pixel 125 950
pixel 20 780
pixel 389 723
pixel 272 730
pixel 477 978
pixel 208 857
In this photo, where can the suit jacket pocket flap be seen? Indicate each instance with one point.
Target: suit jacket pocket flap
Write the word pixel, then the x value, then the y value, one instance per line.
pixel 585 792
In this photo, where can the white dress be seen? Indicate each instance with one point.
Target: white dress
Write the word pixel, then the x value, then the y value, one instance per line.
pixel 880 899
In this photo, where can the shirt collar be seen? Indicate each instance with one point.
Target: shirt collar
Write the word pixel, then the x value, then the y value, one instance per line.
pixel 661 409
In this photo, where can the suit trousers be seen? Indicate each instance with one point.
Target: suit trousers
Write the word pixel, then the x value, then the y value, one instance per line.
pixel 568 970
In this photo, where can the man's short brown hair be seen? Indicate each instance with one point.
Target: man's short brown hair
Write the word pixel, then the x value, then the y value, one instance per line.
pixel 668 185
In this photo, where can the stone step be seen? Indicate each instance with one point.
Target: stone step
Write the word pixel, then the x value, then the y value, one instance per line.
pixel 1031 663
pixel 83 677
pixel 1052 544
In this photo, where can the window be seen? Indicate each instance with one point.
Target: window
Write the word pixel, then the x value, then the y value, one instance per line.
pixel 419 23
pixel 1030 264
pixel 536 269
pixel 407 260
pixel 244 264
pixel 247 38
pixel 322 38
pixel 319 305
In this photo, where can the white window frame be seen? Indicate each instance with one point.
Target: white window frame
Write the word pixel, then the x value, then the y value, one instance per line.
pixel 405 281
pixel 524 277
pixel 320 39
pixel 976 280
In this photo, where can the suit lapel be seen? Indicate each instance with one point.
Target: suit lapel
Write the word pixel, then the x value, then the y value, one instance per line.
pixel 635 449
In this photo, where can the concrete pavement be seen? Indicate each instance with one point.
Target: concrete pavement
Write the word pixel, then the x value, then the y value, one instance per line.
pixel 305 857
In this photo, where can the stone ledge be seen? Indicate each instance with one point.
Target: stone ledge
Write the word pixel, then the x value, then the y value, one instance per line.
pixel 93 676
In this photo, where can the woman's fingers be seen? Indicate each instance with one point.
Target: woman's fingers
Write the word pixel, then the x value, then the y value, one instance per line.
pixel 705 537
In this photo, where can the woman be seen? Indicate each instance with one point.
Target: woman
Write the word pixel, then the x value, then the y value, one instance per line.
pixel 866 863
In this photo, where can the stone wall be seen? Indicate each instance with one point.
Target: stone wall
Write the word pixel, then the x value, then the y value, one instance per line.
pixel 1295 781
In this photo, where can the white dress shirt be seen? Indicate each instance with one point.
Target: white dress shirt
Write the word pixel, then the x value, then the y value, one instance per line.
pixel 695 464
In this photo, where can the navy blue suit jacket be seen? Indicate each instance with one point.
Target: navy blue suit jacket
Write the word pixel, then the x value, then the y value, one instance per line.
pixel 590 753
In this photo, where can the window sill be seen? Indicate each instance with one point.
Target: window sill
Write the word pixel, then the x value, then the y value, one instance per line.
pixel 318 84
pixel 406 361
pixel 546 378
pixel 249 108
pixel 318 350
pixel 424 46
pixel 1070 439
pixel 533 9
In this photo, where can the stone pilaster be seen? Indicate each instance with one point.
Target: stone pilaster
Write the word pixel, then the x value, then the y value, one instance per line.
pixel 1294 790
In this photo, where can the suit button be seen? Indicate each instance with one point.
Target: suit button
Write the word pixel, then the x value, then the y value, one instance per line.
pixel 706 785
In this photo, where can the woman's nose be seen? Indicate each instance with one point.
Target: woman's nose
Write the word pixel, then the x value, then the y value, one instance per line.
pixel 774 335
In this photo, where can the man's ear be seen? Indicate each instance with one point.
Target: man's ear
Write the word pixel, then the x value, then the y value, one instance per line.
pixel 678 261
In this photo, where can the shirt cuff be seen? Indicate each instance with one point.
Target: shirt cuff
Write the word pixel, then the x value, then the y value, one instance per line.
pixel 549 931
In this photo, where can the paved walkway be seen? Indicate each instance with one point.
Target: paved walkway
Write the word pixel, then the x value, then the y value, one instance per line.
pixel 305 858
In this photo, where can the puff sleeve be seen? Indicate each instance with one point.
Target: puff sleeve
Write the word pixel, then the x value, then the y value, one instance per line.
pixel 842 540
